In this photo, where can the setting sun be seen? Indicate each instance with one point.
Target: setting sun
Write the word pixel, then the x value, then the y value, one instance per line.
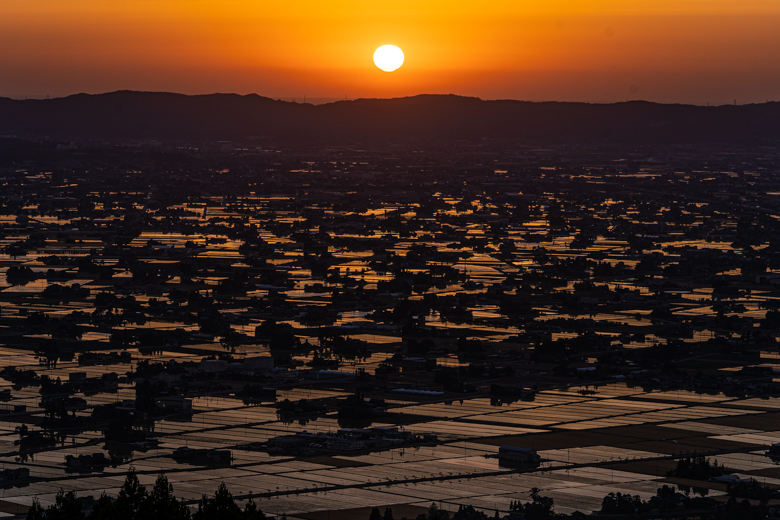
pixel 388 58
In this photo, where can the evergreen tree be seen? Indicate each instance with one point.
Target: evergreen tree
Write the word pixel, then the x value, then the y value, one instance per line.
pixel 221 507
pixel 66 507
pixel 160 504
pixel 434 513
pixel 36 512
pixel 469 513
pixel 541 507
pixel 375 514
pixel 251 512
pixel 620 504
pixel 131 498
pixel 104 509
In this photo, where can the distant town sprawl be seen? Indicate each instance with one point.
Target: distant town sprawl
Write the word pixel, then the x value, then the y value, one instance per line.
pixel 390 325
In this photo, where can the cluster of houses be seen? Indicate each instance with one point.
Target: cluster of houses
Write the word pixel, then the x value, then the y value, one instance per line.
pixel 346 440
pixel 515 456
pixel 204 457
pixel 14 475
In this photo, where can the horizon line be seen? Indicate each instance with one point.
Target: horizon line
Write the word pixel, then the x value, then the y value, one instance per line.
pixel 326 100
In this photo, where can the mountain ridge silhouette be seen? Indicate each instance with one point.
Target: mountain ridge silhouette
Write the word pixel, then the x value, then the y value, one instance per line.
pixel 125 115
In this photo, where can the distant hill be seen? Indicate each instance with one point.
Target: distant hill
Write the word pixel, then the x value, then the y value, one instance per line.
pixel 165 116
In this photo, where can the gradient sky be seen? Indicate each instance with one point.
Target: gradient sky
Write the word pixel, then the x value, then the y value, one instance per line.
pixel 688 51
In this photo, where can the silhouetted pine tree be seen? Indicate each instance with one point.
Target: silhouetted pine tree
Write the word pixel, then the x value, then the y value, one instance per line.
pixel 160 504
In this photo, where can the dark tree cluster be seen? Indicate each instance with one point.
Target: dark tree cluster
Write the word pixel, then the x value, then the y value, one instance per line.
pixel 135 502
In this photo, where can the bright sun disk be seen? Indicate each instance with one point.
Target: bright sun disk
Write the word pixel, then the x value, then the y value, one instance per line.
pixel 388 58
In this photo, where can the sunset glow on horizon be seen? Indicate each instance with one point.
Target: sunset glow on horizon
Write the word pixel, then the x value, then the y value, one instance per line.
pixel 689 51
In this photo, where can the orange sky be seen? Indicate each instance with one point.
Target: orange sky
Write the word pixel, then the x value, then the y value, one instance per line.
pixel 691 51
